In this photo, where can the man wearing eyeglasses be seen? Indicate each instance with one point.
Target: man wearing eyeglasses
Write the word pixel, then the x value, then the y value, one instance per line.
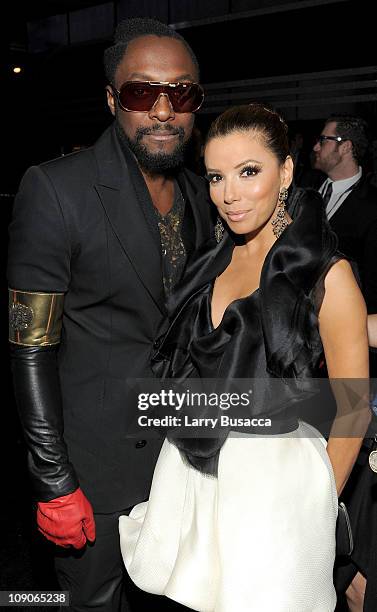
pixel 351 207
pixel 350 200
pixel 97 242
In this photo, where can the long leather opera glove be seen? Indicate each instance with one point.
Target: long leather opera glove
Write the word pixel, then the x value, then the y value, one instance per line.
pixel 68 520
pixel 38 396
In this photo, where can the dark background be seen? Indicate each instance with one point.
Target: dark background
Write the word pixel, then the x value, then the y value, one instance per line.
pixel 57 103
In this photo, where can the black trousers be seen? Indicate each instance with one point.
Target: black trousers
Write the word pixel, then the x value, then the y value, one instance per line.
pixel 97 580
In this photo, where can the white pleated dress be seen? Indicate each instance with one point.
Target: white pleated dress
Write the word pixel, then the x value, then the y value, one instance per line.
pixel 259 537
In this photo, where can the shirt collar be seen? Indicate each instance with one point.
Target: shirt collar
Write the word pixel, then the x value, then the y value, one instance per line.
pixel 342 185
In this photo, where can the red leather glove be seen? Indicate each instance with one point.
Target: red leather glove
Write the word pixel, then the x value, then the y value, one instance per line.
pixel 67 520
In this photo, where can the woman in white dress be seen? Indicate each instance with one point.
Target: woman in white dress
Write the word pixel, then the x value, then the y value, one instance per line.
pixel 246 522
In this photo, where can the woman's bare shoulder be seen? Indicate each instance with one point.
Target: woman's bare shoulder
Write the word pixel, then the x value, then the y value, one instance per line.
pixel 340 273
pixel 343 296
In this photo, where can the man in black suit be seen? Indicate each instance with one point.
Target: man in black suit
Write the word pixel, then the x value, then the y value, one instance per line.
pixel 351 201
pixel 351 207
pixel 97 242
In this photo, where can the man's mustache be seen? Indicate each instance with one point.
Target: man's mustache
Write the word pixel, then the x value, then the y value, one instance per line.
pixel 142 131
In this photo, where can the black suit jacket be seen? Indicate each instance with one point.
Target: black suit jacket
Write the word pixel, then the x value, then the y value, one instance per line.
pixel 78 228
pixel 355 224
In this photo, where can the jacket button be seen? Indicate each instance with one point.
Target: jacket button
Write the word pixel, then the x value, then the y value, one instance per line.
pixel 140 443
pixel 157 343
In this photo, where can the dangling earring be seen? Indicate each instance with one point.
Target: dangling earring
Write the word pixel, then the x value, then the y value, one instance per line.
pixel 280 222
pixel 219 230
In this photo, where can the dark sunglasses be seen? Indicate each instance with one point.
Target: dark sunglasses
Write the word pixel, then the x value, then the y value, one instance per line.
pixel 141 96
pixel 322 138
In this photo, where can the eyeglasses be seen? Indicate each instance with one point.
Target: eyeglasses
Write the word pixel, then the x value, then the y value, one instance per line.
pixel 141 96
pixel 322 138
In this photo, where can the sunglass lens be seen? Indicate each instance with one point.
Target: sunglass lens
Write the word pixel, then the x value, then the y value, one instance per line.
pixel 186 98
pixel 137 96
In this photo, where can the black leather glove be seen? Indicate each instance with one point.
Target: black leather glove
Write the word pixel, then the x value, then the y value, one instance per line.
pixel 38 397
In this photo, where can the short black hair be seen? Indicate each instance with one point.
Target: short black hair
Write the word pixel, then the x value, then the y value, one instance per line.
pixel 128 30
pixel 354 129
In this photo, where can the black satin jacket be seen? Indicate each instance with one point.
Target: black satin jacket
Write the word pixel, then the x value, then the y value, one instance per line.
pixel 271 334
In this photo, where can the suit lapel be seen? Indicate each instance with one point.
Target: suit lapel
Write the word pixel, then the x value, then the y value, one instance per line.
pixel 126 217
pixel 351 205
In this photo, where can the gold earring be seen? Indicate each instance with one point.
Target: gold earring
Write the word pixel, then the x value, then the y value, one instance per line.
pixel 219 230
pixel 283 195
pixel 280 222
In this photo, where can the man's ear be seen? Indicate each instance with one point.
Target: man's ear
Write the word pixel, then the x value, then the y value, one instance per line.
pixel 347 146
pixel 110 99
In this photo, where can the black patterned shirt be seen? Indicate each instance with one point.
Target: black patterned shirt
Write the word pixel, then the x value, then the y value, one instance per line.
pixel 172 246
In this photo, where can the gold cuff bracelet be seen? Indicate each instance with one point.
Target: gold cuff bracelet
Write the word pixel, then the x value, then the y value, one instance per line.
pixel 35 319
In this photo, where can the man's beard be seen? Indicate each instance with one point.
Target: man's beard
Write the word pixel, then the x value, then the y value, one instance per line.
pixel 154 163
pixel 328 163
